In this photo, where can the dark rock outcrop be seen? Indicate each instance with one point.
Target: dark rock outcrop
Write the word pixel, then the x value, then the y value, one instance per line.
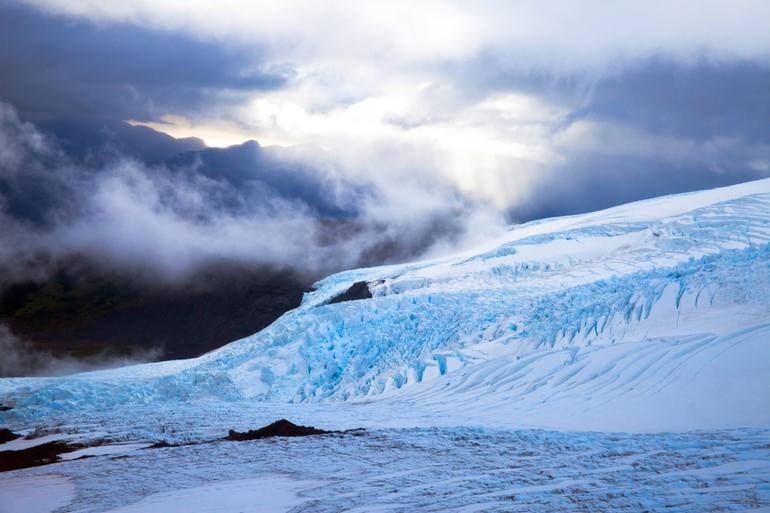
pixel 35 456
pixel 279 428
pixel 6 435
pixel 359 290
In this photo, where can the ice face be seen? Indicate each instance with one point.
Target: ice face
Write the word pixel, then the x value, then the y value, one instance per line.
pixel 690 270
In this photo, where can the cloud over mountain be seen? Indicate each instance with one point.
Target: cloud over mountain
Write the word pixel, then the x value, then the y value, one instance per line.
pixel 242 205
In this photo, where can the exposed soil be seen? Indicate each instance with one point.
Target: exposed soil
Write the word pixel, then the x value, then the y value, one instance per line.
pixel 35 456
pixel 6 435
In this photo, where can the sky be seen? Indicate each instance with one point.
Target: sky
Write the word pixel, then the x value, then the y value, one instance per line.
pixel 406 115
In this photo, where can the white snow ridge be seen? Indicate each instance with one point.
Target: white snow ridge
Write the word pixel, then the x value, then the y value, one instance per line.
pixel 650 317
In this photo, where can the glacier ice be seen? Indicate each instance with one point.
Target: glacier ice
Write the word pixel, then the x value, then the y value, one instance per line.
pixel 660 306
pixel 424 469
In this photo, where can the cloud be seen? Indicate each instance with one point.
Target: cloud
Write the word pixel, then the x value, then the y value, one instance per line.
pixel 56 66
pixel 556 34
pixel 506 141
pixel 17 140
pixel 301 210
pixel 657 127
pixel 605 163
pixel 507 105
pixel 698 100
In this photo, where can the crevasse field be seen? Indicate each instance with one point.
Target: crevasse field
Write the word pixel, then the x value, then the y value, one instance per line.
pixel 613 361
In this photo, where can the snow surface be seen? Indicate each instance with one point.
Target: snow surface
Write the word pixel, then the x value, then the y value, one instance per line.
pixel 256 495
pixel 37 494
pixel 640 333
pixel 25 443
pixel 430 469
pixel 102 450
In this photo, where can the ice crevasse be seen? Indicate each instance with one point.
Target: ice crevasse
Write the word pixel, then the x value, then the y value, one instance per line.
pixel 652 314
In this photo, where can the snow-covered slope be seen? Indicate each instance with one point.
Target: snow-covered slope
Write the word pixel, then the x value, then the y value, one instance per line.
pixel 651 315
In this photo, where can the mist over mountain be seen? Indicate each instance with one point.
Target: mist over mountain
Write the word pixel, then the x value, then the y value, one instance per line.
pixel 88 139
pixel 114 235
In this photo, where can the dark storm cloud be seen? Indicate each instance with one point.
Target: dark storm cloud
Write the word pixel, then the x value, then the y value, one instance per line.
pixel 685 126
pixel 693 100
pixel 654 126
pixel 57 66
pixel 593 182
pixel 697 98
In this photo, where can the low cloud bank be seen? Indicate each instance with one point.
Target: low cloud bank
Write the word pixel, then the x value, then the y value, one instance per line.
pixel 295 209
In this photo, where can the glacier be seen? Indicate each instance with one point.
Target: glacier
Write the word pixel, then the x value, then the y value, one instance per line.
pixel 617 352
pixel 661 305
